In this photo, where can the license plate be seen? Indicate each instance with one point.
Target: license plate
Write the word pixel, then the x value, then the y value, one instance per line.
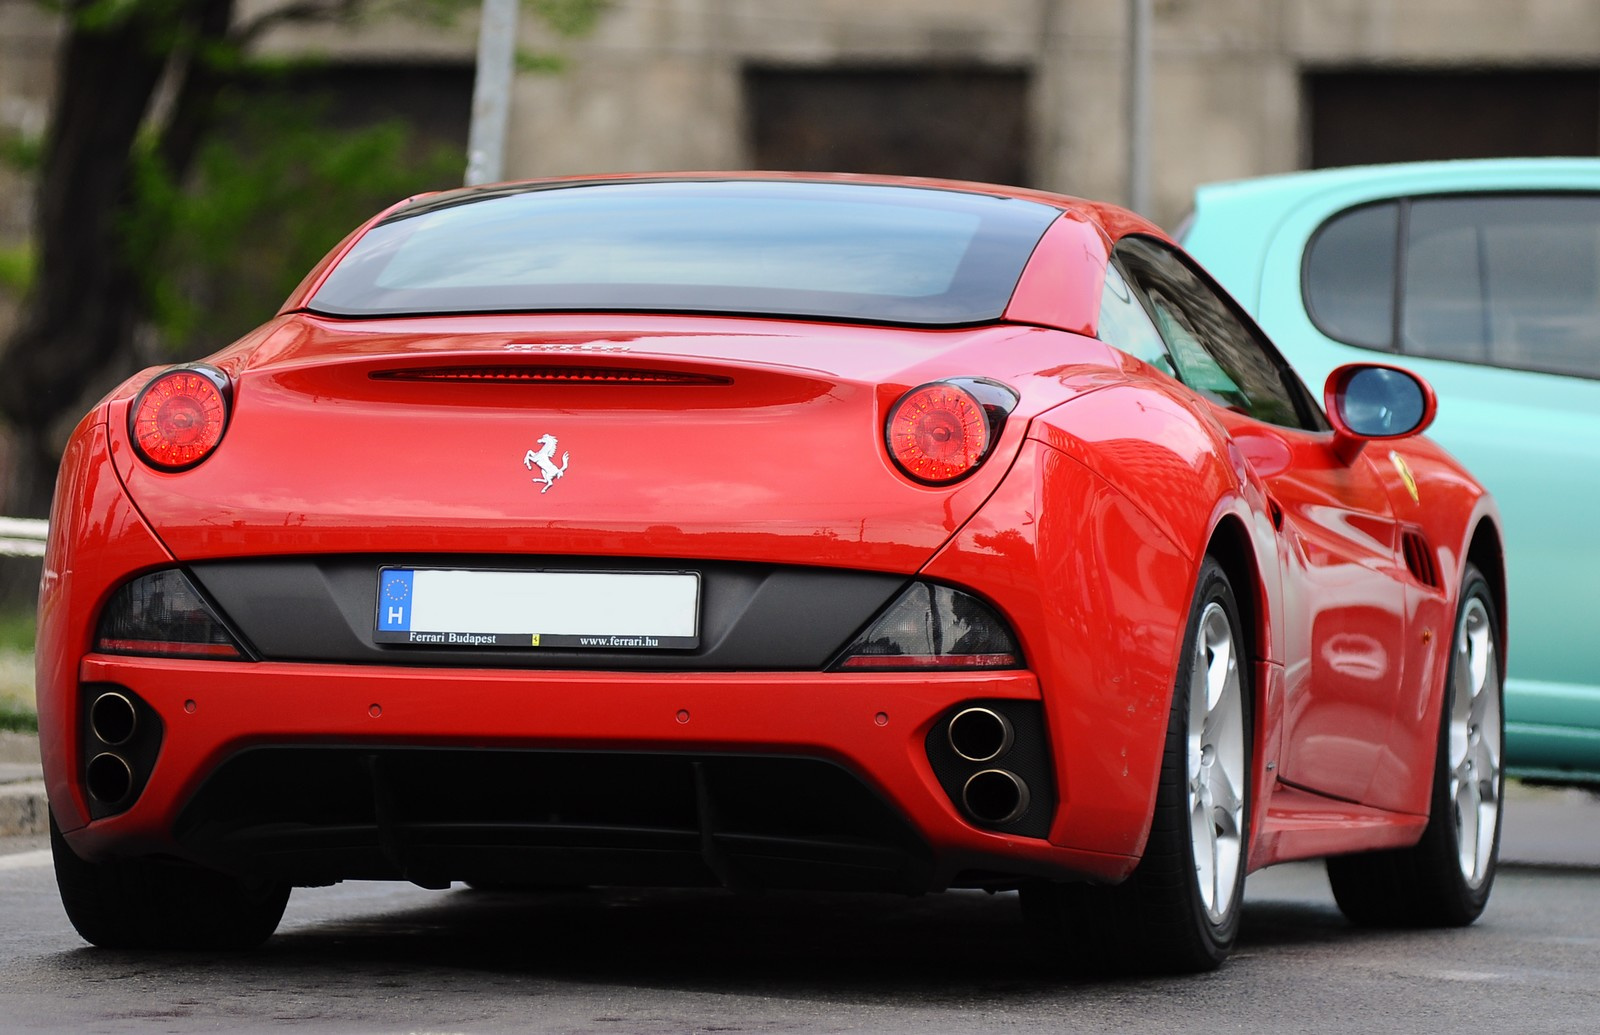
pixel 609 610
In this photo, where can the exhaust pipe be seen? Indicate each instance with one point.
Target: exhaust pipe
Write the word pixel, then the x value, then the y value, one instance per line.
pixel 995 797
pixel 979 734
pixel 108 778
pixel 119 738
pixel 113 719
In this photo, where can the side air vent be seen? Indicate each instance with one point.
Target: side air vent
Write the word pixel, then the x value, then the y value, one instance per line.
pixel 1419 558
pixel 553 375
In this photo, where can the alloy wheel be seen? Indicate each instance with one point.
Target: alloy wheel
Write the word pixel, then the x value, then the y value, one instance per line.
pixel 1216 758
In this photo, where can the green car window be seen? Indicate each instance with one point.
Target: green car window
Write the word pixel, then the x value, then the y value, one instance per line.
pixel 1506 280
pixel 1349 276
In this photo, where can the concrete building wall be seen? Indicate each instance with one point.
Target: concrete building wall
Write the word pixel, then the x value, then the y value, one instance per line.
pixel 658 84
pixel 28 36
pixel 1444 31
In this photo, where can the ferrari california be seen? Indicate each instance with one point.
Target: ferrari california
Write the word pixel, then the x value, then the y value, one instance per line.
pixel 769 531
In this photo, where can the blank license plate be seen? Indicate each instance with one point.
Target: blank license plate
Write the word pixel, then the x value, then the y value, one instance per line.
pixel 610 610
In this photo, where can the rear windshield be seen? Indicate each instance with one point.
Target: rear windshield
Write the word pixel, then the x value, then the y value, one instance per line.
pixel 807 249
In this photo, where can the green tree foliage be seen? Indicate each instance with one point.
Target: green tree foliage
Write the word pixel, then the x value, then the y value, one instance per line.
pixel 264 202
pixel 175 206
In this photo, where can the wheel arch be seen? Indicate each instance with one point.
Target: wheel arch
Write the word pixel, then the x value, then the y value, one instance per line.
pixel 1486 552
pixel 1234 550
pixel 1231 546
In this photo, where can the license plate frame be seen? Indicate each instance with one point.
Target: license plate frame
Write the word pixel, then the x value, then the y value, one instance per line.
pixel 564 609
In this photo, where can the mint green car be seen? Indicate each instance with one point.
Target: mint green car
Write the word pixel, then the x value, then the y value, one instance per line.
pixel 1483 277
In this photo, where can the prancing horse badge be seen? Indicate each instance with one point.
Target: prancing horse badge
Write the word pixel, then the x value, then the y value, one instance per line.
pixel 543 459
pixel 1406 476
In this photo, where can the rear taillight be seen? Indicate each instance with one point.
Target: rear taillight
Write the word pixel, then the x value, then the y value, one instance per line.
pixel 162 614
pixel 939 433
pixel 179 417
pixel 934 627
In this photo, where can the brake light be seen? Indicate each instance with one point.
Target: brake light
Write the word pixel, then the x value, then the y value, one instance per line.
pixel 179 417
pixel 555 375
pixel 939 433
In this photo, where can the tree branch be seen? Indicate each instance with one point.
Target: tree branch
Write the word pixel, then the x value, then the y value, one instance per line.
pixel 199 76
pixel 299 11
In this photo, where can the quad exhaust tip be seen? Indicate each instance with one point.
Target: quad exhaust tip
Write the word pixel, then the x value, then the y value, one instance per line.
pixel 979 734
pixel 995 796
pixel 114 723
pixel 113 719
pixel 109 778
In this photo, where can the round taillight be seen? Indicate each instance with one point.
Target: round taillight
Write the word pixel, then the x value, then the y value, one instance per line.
pixel 938 433
pixel 179 417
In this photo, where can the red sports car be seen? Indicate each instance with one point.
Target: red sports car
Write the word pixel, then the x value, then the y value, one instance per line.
pixel 768 531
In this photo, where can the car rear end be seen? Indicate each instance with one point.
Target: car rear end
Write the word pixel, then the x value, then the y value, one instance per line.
pixel 632 598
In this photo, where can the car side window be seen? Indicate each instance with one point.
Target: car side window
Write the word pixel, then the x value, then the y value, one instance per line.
pixel 1349 276
pixel 1125 325
pixel 1195 366
pixel 1213 348
pixel 1500 280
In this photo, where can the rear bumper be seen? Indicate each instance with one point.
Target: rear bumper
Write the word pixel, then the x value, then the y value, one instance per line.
pixel 319 772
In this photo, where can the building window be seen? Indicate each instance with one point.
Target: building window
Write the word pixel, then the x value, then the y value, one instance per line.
pixel 1362 117
pixel 957 122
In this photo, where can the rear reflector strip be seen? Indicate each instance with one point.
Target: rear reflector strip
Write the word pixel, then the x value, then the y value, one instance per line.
pixel 553 375
pixel 167 648
pixel 929 661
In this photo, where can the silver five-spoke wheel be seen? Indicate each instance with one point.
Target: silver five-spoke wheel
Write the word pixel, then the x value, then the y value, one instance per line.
pixel 1216 757
pixel 1445 878
pixel 1474 741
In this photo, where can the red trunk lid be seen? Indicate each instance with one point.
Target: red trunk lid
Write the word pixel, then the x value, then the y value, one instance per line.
pixel 643 436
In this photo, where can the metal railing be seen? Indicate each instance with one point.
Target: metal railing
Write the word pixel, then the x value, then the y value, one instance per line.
pixel 23 537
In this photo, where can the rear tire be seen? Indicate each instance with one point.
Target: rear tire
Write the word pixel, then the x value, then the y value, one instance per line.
pixel 143 904
pixel 1179 910
pixel 1444 880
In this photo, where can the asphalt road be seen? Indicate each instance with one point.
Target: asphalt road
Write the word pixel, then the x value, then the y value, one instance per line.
pixel 365 957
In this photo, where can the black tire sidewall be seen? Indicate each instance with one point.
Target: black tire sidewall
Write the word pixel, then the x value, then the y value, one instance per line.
pixel 1442 835
pixel 144 904
pixel 1217 938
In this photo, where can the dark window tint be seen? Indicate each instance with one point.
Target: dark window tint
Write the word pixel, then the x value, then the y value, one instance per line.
pixel 1215 350
pixel 1444 312
pixel 829 250
pixel 1125 325
pixel 1513 282
pixel 1510 281
pixel 1349 276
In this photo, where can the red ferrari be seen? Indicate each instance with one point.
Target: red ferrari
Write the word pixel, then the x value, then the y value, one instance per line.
pixel 768 531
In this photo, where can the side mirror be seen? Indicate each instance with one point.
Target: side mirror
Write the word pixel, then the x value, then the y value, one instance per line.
pixel 1368 401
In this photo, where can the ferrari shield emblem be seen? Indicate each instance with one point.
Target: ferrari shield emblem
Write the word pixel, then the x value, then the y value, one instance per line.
pixel 1405 475
pixel 543 460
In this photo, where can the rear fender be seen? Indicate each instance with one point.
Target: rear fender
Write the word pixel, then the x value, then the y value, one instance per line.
pixel 96 536
pixel 1098 595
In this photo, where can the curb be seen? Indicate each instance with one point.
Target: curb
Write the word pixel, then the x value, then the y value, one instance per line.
pixel 23 810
